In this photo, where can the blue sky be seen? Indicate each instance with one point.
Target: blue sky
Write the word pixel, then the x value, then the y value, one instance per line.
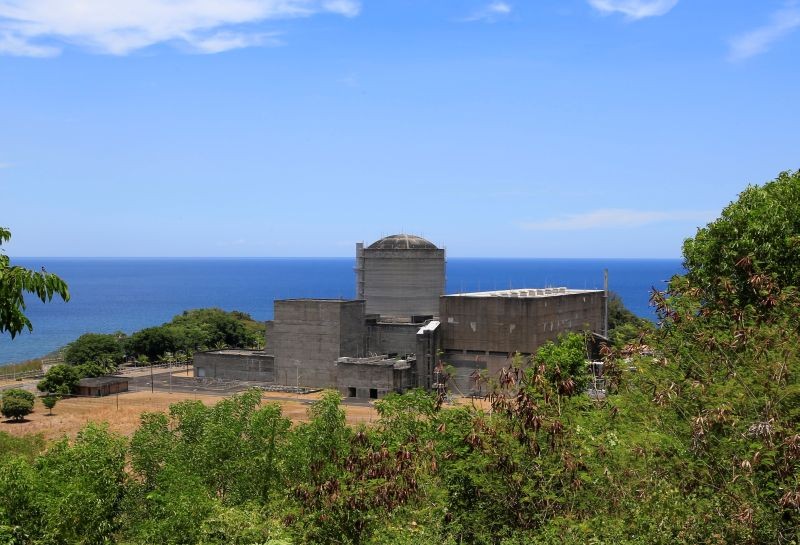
pixel 537 128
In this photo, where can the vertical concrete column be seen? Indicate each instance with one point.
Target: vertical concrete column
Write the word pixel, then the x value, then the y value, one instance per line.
pixel 359 270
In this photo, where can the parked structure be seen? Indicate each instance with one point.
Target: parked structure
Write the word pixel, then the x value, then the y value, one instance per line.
pixel 401 326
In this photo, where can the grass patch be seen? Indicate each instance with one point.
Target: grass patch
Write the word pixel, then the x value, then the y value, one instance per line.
pixel 27 445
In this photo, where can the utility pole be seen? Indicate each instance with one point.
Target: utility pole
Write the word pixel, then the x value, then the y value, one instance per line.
pixel 605 303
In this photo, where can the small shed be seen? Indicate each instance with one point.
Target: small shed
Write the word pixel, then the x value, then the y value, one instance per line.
pixel 101 386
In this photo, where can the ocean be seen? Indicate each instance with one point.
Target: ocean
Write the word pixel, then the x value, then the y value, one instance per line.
pixel 111 295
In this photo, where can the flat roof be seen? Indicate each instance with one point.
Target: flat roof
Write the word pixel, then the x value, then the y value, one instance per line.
pixel 525 293
pixel 239 352
pixel 100 381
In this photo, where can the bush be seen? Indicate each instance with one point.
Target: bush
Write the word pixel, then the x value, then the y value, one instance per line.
pixel 17 403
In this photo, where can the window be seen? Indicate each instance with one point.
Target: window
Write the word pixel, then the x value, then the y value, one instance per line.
pixel 351 392
pixel 373 393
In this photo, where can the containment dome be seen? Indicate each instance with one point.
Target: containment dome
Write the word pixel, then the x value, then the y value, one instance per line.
pixel 403 242
pixel 400 276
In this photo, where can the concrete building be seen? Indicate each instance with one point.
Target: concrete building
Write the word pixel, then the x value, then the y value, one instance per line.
pixel 235 364
pixel 307 336
pixel 400 276
pixel 373 377
pixel 401 325
pixel 482 330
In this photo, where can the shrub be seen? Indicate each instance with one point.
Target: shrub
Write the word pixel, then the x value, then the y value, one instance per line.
pixel 17 403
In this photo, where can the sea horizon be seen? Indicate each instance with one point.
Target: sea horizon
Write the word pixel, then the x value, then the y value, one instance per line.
pixel 110 294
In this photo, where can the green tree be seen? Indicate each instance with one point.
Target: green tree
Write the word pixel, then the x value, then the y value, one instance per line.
pixel 152 342
pixel 752 250
pixel 49 401
pixel 103 349
pixel 60 379
pixel 17 403
pixel 15 282
pixel 624 326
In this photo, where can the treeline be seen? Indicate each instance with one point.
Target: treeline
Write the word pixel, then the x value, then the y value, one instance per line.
pixel 96 354
pixel 697 440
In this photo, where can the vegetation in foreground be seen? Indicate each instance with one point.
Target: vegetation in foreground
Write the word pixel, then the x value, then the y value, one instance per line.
pixel 697 443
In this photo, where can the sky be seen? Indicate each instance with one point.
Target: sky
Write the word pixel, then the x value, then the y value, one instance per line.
pixel 505 128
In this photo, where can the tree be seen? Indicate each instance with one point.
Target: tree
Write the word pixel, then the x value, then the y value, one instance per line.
pixel 752 250
pixel 49 401
pixel 15 282
pixel 60 379
pixel 104 349
pixel 17 403
pixel 623 325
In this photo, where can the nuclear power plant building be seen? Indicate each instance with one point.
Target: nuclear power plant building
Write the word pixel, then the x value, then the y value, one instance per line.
pixel 401 326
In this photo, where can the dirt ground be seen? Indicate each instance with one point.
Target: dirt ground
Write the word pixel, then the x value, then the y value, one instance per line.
pixel 122 412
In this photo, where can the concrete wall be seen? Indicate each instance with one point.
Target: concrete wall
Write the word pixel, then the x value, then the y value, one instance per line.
pixel 364 378
pixel 235 365
pixel 371 381
pixel 483 333
pixel 516 324
pixel 401 282
pixel 308 335
pixel 389 338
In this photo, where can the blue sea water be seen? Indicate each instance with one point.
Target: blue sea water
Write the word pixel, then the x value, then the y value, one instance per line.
pixel 111 295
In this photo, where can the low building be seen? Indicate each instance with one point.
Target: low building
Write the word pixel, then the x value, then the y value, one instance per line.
pixel 235 364
pixel 101 386
pixel 374 377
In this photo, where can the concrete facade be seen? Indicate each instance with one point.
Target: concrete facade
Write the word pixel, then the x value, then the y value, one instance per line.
pixel 250 365
pixel 483 330
pixel 373 377
pixel 392 338
pixel 401 326
pixel 307 336
pixel 400 276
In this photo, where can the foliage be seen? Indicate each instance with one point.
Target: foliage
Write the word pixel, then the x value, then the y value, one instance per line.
pixel 17 403
pixel 752 250
pixel 60 379
pixel 104 349
pixel 624 327
pixel 15 282
pixel 27 445
pixel 697 441
pixel 197 330
pixel 49 401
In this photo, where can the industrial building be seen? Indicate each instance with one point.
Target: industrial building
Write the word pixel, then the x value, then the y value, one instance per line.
pixel 401 326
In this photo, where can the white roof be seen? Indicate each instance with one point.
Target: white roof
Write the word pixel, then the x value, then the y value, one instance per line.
pixel 430 326
pixel 525 292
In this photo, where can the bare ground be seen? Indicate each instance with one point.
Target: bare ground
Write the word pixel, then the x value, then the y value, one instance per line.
pixel 122 412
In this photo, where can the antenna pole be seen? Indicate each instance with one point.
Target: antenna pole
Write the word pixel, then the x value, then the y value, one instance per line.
pixel 605 303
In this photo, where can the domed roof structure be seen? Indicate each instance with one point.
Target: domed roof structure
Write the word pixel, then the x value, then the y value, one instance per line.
pixel 402 242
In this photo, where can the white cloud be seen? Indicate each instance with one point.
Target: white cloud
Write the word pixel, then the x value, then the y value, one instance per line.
pixel 5 165
pixel 634 9
pixel 118 27
pixel 490 12
pixel 782 23
pixel 614 218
